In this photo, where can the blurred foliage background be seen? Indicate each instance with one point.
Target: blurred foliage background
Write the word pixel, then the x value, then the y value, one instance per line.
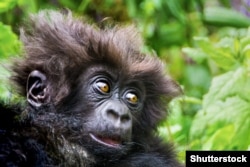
pixel 206 48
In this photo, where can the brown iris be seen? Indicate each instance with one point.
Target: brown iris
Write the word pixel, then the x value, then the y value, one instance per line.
pixel 132 98
pixel 103 86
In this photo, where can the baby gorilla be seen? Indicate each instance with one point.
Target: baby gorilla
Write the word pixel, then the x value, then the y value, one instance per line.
pixel 92 98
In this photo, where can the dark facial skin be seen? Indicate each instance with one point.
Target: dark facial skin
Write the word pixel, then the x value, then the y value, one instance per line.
pixel 115 105
pixel 104 107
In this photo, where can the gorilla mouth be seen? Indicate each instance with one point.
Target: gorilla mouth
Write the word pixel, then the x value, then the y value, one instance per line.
pixel 114 142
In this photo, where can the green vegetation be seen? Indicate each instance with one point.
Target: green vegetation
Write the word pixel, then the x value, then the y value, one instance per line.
pixel 206 47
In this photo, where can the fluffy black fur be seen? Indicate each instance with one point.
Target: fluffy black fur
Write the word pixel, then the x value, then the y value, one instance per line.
pixel 52 128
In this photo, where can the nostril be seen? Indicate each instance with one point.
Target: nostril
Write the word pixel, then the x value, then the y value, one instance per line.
pixel 125 118
pixel 112 114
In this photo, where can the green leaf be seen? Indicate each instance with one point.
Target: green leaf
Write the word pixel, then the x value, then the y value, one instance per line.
pixel 196 54
pixel 9 43
pixel 221 53
pixel 4 75
pixel 6 5
pixel 220 16
pixel 234 111
pixel 233 83
pixel 176 10
pixel 29 6
pixel 9 46
pixel 221 139
pixel 227 103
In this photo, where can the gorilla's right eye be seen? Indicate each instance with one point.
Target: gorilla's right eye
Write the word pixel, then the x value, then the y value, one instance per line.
pixel 102 86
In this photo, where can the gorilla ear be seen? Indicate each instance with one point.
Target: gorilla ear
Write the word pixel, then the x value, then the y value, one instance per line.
pixel 37 89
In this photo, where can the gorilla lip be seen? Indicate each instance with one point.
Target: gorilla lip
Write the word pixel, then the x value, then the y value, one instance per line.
pixel 114 142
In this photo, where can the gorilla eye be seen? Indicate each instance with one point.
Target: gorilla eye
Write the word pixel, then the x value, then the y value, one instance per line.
pixel 132 98
pixel 103 86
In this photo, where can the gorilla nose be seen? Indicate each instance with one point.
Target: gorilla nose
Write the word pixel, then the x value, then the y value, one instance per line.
pixel 118 114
